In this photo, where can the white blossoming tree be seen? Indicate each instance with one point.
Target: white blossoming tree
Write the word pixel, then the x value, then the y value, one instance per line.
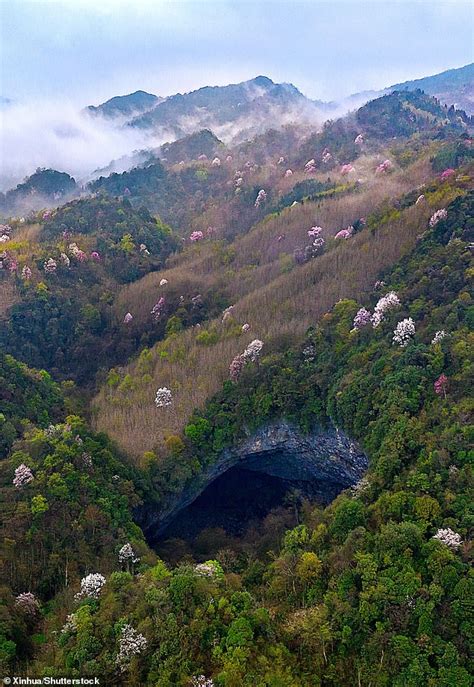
pixel 27 603
pixel 163 397
pixel 91 586
pixel 404 332
pixel 23 476
pixel 449 537
pixel 438 337
pixel 384 304
pixel 438 216
pixel 127 556
pixel 131 643
pixel 211 569
pixel 201 681
pixel 253 350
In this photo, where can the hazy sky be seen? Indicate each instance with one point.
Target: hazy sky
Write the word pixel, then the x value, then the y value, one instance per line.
pixel 90 50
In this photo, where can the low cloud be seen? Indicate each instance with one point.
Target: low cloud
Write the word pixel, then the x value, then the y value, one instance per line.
pixel 58 135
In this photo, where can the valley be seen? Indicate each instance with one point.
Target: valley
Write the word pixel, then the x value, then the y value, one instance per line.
pixel 236 421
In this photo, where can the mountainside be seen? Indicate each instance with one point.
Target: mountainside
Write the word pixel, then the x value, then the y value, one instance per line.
pixel 452 87
pixel 236 422
pixel 238 110
pixel 45 187
pixel 126 105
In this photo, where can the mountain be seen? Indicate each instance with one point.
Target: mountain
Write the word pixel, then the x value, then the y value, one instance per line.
pixel 244 456
pixel 232 112
pixel 43 188
pixel 452 87
pixel 191 147
pixel 126 105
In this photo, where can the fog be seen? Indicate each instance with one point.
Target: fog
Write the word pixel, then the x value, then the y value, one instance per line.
pixel 63 137
pixel 58 135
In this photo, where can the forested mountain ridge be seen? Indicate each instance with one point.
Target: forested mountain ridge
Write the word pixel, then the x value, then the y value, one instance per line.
pixel 362 586
pixel 126 105
pixel 325 283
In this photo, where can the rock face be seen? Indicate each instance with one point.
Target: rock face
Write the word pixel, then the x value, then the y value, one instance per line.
pixel 326 461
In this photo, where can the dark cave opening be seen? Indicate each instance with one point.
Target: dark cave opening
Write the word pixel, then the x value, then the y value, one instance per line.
pixel 235 507
pixel 231 502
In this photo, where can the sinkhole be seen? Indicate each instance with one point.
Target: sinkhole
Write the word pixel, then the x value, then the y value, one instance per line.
pixel 274 470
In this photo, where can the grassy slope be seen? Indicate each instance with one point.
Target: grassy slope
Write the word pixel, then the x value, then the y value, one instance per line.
pixel 279 301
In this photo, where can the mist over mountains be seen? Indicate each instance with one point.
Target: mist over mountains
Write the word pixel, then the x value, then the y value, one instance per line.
pixel 116 135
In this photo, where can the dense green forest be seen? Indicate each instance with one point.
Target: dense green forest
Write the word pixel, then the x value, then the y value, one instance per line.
pixel 369 334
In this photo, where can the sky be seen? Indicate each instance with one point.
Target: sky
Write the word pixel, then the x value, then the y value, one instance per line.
pixel 85 51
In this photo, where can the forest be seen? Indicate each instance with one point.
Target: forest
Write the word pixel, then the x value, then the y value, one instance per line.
pixel 160 319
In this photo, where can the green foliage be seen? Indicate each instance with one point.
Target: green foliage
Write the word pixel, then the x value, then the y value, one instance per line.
pixel 26 396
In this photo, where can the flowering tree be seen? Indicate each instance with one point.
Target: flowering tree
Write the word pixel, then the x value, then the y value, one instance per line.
pixel 449 537
pixel 127 556
pixel 26 273
pixel 23 476
pixel 236 367
pixel 163 282
pixel 447 174
pixel 404 332
pixel 360 487
pixel 326 156
pixel 314 232
pixel 346 169
pixel 253 350
pixel 65 260
pixel 50 266
pixel 438 216
pixel 128 318
pixel 229 158
pixel 91 586
pixel 420 199
pixel 261 198
pixel 131 643
pixel 201 681
pixel 196 236
pixel 281 160
pixel 362 318
pixel 344 233
pixel 216 162
pixel 96 256
pixel 209 569
pixel 157 309
pixel 245 327
pixel 288 173
pixel 386 303
pixel 358 140
pixel 28 603
pixel 384 166
pixel 76 252
pixel 251 354
pixel 227 313
pixel 163 397
pixel 438 337
pixel 441 385
pixel 310 166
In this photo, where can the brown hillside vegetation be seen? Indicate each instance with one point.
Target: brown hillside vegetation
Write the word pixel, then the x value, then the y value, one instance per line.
pixel 277 298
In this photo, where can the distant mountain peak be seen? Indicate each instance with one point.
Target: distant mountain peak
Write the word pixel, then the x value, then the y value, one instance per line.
pixel 264 81
pixel 126 105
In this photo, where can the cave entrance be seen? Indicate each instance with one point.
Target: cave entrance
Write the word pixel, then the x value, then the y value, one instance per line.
pixel 242 505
